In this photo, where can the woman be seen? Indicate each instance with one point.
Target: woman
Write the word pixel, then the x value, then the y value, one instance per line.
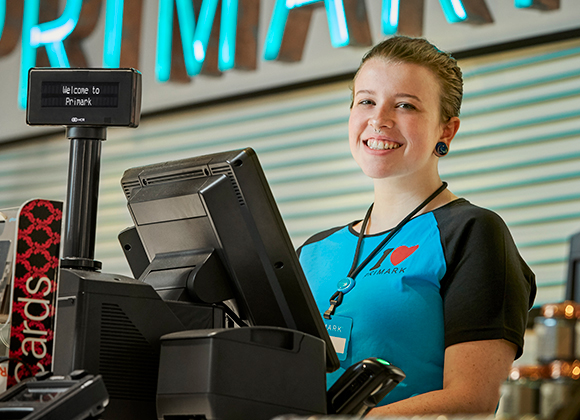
pixel 427 281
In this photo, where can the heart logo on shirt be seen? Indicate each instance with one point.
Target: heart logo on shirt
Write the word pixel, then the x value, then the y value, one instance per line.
pixel 402 253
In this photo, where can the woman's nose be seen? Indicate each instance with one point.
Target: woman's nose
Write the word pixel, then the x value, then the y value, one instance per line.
pixel 379 123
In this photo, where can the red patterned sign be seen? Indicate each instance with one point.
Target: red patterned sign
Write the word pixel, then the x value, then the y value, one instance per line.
pixel 36 268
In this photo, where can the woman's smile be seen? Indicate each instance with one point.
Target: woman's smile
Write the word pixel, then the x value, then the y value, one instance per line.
pixel 379 144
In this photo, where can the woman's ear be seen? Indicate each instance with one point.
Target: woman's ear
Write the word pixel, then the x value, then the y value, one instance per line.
pixel 450 129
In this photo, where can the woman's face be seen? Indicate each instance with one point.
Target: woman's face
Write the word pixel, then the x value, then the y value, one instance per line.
pixel 403 101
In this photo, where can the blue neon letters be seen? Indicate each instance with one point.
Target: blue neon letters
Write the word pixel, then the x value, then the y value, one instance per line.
pixel 49 35
pixel 2 15
pixel 337 25
pixel 194 35
pixel 113 33
pixel 195 38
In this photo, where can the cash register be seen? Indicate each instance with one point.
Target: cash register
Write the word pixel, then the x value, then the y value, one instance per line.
pixel 207 230
pixel 218 321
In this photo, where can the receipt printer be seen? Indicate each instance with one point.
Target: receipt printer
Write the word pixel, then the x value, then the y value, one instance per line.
pixel 241 373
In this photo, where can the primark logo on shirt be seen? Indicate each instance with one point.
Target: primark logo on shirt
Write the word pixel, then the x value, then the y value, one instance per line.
pixel 334 328
pixel 396 257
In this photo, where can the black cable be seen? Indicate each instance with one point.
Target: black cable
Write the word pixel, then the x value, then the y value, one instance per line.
pixel 14 359
pixel 396 229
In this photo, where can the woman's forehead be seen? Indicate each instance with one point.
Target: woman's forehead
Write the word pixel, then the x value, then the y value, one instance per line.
pixel 378 73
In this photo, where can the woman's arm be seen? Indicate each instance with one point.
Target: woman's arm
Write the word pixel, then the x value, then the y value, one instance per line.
pixel 472 375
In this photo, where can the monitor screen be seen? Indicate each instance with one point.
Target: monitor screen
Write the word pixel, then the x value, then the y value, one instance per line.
pixel 210 230
pixel 573 279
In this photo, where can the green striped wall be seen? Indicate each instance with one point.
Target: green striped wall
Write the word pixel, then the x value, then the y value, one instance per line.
pixel 517 152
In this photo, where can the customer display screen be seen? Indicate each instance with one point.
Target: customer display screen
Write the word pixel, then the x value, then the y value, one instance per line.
pixel 93 97
pixel 82 95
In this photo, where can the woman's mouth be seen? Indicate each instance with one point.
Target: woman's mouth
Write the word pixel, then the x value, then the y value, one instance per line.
pixel 375 144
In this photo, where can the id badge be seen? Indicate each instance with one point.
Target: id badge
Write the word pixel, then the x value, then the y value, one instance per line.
pixel 339 329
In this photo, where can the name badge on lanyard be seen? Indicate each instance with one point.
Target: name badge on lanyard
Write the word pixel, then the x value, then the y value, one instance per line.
pixel 339 329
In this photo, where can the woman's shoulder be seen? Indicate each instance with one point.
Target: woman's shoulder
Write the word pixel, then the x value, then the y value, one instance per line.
pixel 463 212
pixel 321 236
pixel 462 222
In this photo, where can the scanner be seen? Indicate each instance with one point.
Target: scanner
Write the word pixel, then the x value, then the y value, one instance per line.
pixel 362 386
pixel 261 373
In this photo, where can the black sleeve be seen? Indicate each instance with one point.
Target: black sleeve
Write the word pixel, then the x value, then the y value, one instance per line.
pixel 488 289
pixel 318 237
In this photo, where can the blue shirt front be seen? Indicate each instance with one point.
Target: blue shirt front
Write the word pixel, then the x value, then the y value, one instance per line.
pixel 395 307
pixel 449 276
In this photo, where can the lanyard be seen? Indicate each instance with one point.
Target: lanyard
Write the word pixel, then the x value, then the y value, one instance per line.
pixel 346 284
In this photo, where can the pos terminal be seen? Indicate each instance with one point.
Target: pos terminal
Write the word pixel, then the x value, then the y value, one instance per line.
pixel 207 240
pixel 218 210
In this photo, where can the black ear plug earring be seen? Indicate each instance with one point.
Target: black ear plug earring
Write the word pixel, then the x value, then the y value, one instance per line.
pixel 441 149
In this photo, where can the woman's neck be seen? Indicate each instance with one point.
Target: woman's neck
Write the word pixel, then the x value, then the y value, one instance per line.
pixel 394 201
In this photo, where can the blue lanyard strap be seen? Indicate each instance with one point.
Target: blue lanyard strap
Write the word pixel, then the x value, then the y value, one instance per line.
pixel 346 284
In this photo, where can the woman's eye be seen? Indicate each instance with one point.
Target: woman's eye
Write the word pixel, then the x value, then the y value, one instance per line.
pixel 405 105
pixel 365 102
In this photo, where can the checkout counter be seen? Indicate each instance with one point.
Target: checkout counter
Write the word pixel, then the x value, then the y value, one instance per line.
pixel 163 345
pixel 207 230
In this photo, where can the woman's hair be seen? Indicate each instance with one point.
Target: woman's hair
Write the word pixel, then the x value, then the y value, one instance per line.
pixel 403 49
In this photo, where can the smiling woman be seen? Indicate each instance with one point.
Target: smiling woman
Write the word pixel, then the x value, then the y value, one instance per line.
pixel 436 284
pixel 395 121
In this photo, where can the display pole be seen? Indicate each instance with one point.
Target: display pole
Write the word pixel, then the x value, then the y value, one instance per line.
pixel 82 197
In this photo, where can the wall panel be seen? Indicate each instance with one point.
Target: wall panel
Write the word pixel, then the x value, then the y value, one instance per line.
pixel 517 152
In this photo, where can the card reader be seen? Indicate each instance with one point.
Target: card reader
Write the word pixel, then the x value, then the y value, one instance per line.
pixel 77 396
pixel 362 386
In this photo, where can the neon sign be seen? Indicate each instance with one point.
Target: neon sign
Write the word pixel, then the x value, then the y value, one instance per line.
pixel 195 38
pixel 337 24
pixel 203 51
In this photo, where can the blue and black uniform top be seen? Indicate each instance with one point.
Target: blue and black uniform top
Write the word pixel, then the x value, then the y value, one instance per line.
pixel 448 276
